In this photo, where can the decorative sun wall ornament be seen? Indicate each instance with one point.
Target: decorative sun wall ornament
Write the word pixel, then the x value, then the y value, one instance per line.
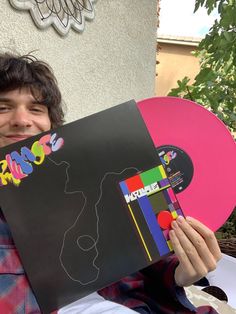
pixel 62 14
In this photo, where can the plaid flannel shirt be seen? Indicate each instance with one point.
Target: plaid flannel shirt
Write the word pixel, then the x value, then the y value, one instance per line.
pixel 16 296
pixel 151 290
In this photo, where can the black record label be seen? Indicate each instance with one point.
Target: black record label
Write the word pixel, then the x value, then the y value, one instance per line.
pixel 178 166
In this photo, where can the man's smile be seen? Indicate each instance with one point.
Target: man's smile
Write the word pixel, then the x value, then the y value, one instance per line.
pixel 17 137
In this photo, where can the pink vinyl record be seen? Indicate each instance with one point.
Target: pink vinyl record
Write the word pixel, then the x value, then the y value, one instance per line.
pixel 199 155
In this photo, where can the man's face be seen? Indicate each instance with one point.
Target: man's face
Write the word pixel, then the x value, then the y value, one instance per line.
pixel 21 116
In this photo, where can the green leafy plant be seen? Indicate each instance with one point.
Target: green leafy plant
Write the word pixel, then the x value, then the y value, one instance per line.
pixel 215 85
pixel 228 230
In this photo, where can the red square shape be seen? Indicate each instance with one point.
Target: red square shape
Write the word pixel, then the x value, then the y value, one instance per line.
pixel 134 183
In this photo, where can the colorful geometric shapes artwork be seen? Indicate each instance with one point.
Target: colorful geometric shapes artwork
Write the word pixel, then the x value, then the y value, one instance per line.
pixel 179 212
pixel 171 207
pixel 170 245
pixel 140 233
pixel 155 229
pixel 124 188
pixel 149 195
pixel 165 219
pixel 171 195
pixel 174 214
pixel 176 205
pixel 153 175
pixel 167 197
pixel 134 183
pixel 166 234
pixel 164 183
pixel 162 171
pixel 158 202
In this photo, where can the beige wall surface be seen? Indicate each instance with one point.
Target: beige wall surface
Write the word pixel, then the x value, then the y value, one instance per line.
pixel 112 61
pixel 176 62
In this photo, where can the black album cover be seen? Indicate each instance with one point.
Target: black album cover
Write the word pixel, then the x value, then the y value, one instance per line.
pixel 87 204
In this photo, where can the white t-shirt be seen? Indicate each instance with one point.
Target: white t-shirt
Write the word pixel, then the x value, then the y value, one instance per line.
pixel 95 304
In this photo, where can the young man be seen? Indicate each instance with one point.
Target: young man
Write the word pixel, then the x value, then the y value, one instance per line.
pixel 30 103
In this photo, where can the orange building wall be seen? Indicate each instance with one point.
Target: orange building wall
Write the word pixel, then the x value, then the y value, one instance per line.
pixel 176 62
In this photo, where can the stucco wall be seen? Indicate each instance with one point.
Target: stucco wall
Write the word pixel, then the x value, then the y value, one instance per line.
pixel 176 62
pixel 112 61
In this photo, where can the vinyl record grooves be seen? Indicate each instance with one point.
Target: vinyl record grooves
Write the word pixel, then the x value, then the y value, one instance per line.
pixel 199 155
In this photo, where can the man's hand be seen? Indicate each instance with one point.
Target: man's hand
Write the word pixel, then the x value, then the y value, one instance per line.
pixel 196 248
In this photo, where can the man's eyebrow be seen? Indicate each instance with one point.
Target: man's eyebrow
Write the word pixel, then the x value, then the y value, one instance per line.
pixel 37 102
pixel 34 101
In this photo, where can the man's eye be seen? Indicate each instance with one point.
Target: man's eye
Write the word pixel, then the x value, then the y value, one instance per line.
pixel 4 108
pixel 38 109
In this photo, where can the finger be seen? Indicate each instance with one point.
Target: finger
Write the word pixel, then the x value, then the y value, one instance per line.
pixel 199 243
pixel 181 255
pixel 188 253
pixel 208 236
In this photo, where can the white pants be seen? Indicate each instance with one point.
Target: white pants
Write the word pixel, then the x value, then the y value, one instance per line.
pixel 94 304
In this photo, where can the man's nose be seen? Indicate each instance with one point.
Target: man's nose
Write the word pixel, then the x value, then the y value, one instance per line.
pixel 21 118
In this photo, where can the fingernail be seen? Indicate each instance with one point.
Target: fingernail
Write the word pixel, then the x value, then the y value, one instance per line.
pixel 174 224
pixel 171 233
pixel 180 219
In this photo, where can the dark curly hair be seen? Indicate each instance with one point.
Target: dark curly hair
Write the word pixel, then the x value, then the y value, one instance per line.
pixel 18 72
